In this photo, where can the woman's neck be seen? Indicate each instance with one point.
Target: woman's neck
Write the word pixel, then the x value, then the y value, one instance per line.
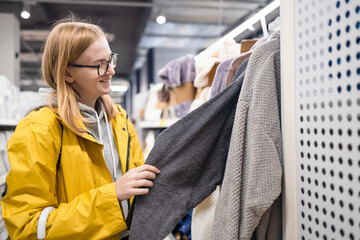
pixel 91 103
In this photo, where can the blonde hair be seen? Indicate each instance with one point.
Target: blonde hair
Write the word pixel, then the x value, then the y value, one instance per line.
pixel 68 39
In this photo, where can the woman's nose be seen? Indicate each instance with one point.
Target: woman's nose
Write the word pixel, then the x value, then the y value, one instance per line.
pixel 111 70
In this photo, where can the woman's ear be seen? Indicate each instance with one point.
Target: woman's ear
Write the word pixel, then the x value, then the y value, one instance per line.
pixel 68 76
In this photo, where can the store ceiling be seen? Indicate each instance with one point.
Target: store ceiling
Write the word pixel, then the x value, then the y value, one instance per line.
pixel 190 24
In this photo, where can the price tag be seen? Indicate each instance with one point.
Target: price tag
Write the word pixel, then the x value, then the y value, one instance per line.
pixel 162 122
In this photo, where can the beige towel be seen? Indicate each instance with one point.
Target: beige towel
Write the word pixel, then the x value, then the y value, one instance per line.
pixel 203 217
pixel 205 61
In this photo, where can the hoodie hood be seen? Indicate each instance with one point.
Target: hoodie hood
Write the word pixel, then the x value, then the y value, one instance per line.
pixel 99 126
pixel 89 113
pixel 93 118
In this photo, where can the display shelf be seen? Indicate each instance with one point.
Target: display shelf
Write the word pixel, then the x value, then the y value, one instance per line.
pixel 170 237
pixel 163 123
pixel 8 124
pixel 2 180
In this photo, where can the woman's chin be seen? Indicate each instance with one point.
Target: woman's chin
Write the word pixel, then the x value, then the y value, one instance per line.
pixel 105 87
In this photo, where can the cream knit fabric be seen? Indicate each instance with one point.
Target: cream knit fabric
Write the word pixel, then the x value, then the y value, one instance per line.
pixel 203 217
pixel 204 61
pixel 203 98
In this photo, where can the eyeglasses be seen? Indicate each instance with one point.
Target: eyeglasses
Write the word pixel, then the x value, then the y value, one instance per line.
pixel 102 67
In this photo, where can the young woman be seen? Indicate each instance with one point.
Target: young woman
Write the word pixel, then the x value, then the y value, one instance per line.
pixel 76 163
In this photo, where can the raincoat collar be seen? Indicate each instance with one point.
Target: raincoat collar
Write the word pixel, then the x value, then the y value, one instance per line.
pixel 119 120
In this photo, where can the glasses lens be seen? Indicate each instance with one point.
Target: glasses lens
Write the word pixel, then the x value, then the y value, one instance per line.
pixel 104 65
pixel 114 58
pixel 103 68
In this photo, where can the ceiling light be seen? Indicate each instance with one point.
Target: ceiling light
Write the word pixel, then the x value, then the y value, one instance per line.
pixel 25 13
pixel 161 19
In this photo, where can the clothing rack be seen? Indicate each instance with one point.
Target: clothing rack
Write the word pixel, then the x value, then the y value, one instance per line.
pixel 274 25
pixel 248 24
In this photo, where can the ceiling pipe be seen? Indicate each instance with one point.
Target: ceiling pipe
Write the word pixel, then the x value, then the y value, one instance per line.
pixel 27 46
pixel 180 36
pixel 30 57
pixel 41 35
pixel 192 4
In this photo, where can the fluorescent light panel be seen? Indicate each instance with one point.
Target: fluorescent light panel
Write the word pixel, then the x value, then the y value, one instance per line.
pixel 118 88
pixel 252 20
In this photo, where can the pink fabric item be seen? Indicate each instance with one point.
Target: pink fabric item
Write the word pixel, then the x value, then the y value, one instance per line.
pixel 235 64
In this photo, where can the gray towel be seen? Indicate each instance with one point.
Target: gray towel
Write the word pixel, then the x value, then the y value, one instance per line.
pixel 191 156
pixel 249 206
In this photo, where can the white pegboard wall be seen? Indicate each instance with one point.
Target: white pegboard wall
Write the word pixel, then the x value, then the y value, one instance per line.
pixel 327 52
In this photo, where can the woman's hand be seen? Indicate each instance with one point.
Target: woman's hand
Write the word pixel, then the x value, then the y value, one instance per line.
pixel 135 182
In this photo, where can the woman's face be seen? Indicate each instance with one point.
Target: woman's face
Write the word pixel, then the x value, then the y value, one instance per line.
pixel 86 81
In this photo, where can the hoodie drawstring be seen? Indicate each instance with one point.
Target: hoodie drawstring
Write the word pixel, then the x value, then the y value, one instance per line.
pixel 98 124
pixel 111 146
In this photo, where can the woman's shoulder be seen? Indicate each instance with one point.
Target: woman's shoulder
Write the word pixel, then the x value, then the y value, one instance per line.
pixel 43 116
pixel 38 125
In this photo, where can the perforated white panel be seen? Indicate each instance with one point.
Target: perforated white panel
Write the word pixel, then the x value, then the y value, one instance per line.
pixel 327 34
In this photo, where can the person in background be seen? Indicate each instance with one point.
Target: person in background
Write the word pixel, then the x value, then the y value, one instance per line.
pixel 75 164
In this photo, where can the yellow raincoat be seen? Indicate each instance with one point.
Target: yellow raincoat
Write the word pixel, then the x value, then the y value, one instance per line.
pixel 82 190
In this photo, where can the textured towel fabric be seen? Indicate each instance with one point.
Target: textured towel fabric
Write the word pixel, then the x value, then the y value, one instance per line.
pixel 205 61
pixel 249 206
pixel 220 77
pixel 240 70
pixel 182 109
pixel 203 217
pixel 259 42
pixel 203 98
pixel 234 66
pixel 178 71
pixel 191 155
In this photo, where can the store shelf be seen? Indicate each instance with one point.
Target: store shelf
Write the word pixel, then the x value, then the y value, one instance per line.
pixel 8 124
pixel 2 180
pixel 163 123
pixel 170 237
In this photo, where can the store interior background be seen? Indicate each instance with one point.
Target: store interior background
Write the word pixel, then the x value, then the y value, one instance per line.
pixel 192 26
pixel 143 46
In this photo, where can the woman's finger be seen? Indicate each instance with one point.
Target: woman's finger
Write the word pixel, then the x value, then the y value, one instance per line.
pixel 147 167
pixel 146 175
pixel 140 191
pixel 143 183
